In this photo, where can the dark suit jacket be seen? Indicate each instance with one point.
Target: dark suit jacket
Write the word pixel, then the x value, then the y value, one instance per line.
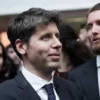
pixel 19 89
pixel 86 76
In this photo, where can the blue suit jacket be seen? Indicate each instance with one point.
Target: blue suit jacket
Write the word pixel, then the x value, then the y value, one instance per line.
pixel 86 76
pixel 19 89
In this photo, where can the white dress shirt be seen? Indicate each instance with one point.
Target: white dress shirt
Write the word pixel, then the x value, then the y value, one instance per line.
pixel 98 71
pixel 37 83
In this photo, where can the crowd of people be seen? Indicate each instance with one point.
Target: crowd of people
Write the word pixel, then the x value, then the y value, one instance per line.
pixel 48 60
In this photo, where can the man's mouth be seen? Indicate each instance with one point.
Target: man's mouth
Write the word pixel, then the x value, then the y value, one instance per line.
pixel 55 56
pixel 96 40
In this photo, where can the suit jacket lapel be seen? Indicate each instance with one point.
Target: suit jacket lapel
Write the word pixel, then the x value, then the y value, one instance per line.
pixel 60 89
pixel 91 75
pixel 27 92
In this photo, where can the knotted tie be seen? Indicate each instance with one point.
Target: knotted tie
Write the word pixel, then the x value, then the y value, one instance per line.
pixel 50 92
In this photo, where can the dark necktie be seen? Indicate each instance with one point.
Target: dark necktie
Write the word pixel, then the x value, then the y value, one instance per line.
pixel 50 92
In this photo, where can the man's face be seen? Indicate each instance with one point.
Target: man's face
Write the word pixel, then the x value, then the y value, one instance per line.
pixel 93 27
pixel 44 48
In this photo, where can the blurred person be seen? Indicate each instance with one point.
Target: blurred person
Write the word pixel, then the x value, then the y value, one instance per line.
pixel 3 67
pixel 34 36
pixel 2 55
pixel 84 37
pixel 6 66
pixel 8 71
pixel 13 56
pixel 74 53
pixel 88 75
pixel 2 63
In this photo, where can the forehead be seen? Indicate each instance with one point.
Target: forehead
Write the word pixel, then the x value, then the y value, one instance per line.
pixel 52 27
pixel 43 30
pixel 93 16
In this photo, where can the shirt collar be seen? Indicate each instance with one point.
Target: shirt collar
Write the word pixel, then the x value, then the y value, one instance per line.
pixel 35 81
pixel 98 60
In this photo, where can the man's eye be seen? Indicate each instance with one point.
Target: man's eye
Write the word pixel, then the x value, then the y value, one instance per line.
pixel 88 27
pixel 46 37
pixel 58 36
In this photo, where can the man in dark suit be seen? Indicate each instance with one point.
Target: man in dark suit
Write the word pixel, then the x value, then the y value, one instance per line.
pixel 34 36
pixel 88 75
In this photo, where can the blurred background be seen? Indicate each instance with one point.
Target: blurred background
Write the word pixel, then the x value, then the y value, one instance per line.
pixel 73 12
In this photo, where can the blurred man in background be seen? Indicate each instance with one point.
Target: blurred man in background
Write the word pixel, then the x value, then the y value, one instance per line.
pixel 88 75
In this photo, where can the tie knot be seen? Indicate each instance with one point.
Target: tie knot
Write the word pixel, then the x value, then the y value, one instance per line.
pixel 49 88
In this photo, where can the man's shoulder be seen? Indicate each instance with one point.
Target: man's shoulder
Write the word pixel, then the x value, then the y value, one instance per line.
pixel 9 90
pixel 65 83
pixel 84 66
pixel 70 87
pixel 7 85
pixel 79 72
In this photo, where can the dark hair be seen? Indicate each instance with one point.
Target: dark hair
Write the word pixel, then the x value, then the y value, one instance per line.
pixel 9 46
pixel 3 51
pixel 67 32
pixel 77 52
pixel 94 8
pixel 26 23
pixel 8 70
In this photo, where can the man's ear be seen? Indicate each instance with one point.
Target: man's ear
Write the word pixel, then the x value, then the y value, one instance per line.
pixel 20 46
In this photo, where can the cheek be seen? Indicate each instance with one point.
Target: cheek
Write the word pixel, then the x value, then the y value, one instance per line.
pixel 43 48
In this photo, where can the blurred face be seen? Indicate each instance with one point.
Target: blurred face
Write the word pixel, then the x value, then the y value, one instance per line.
pixel 1 57
pixel 44 48
pixel 85 38
pixel 93 27
pixel 13 56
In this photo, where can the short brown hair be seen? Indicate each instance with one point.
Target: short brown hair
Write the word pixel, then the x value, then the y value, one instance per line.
pixel 94 8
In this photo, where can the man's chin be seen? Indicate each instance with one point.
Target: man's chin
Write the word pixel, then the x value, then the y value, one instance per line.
pixel 54 66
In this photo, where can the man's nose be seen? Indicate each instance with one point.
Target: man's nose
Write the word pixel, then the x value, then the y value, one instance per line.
pixel 94 29
pixel 56 43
